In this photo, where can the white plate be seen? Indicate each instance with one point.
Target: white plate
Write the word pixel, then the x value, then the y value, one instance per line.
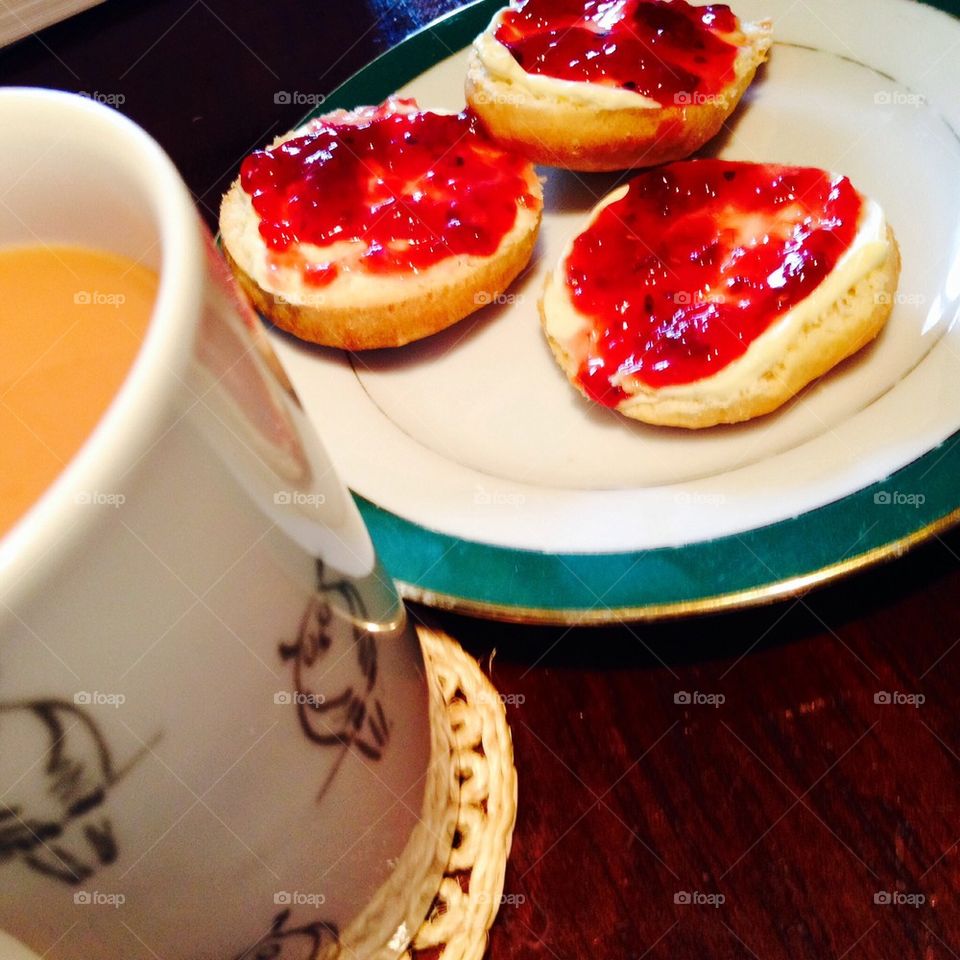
pixel 475 434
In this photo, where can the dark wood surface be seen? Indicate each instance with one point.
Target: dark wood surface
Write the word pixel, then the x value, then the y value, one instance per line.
pixel 799 800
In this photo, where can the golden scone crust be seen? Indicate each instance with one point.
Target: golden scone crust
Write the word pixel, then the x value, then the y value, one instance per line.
pixel 364 312
pixel 561 132
pixel 845 327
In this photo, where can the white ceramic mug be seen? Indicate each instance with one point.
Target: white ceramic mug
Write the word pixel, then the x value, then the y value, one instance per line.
pixel 215 736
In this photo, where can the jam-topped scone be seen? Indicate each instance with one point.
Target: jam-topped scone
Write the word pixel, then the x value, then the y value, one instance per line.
pixel 709 292
pixel 381 225
pixel 611 84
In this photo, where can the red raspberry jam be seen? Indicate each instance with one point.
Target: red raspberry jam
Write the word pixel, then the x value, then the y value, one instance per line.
pixel 683 273
pixel 671 52
pixel 405 188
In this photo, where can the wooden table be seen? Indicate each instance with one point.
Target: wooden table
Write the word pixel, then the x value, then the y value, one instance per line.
pixel 789 807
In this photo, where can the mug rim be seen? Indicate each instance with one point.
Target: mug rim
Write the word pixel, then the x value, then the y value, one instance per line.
pixel 130 425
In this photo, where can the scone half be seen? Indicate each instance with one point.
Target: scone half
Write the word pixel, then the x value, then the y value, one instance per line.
pixel 360 310
pixel 842 314
pixel 586 126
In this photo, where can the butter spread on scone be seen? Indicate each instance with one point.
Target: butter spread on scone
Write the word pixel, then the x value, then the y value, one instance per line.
pixel 711 291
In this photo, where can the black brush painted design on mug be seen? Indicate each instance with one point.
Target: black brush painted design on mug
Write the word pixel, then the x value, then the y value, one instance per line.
pixel 57 827
pixel 352 717
pixel 292 943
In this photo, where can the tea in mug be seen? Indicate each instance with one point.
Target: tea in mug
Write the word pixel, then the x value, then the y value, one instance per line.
pixel 71 322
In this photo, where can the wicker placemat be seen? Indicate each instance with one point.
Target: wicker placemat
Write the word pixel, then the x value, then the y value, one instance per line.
pixel 470 892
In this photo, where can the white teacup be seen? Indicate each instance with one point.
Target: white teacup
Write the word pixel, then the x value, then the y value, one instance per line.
pixel 215 736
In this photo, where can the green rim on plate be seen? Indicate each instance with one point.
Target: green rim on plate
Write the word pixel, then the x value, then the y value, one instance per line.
pixel 760 565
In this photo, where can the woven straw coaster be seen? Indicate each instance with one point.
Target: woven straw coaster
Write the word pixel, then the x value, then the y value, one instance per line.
pixel 469 896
